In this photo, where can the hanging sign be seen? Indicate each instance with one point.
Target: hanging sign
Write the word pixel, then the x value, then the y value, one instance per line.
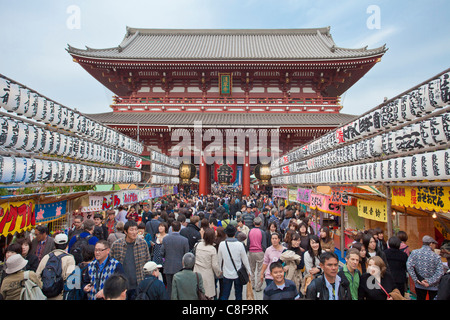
pixel 280 193
pixel 17 217
pixel 292 195
pixel 373 210
pixel 304 195
pixel 225 84
pixel 428 198
pixel 339 195
pixel 51 211
pixel 323 203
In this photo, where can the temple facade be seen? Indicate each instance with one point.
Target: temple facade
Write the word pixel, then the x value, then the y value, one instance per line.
pixel 236 96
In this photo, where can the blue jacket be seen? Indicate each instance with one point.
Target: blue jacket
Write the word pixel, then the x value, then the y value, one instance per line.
pixel 156 291
pixel 93 240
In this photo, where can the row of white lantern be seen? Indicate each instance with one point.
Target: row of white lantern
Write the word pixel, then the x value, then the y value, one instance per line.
pixel 162 158
pixel 22 101
pixel 415 104
pixel 20 135
pixel 27 170
pixel 427 133
pixel 159 168
pixel 427 166
pixel 156 179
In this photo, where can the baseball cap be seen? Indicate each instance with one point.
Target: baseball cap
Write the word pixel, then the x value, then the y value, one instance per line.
pixel 151 266
pixel 61 238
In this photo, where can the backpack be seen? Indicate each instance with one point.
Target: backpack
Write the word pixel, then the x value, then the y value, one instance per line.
pixel 143 294
pixel 71 292
pixel 30 290
pixel 77 248
pixel 52 280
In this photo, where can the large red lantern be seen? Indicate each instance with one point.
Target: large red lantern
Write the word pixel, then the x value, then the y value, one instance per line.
pixel 225 173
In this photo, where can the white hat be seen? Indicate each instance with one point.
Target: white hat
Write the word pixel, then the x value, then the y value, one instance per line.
pixel 151 266
pixel 61 238
pixel 15 263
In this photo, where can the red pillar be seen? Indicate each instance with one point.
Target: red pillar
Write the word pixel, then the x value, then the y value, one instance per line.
pixel 203 178
pixel 208 179
pixel 246 174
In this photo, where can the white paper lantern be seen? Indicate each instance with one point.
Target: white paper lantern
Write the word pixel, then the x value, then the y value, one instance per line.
pixel 24 101
pixel 11 100
pixel 48 141
pixel 445 87
pixel 21 170
pixel 22 136
pixel 30 174
pixel 50 112
pixel 41 112
pixel 424 99
pixel 39 170
pixel 12 133
pixel 405 169
pixel 57 116
pixel 46 170
pixel 70 119
pixel 426 133
pixel 32 105
pixel 437 130
pixel 4 91
pixel 7 169
pixel 406 108
pixel 434 93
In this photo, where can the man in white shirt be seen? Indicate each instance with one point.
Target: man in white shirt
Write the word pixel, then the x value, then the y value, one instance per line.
pixel 231 247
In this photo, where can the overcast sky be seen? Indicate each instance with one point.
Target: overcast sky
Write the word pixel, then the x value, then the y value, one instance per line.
pixel 35 35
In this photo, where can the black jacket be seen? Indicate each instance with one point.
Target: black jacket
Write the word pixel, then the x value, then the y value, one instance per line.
pixel 444 287
pixel 317 289
pixel 397 264
pixel 192 233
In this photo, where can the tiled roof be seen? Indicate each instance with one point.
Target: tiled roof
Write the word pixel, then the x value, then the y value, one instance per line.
pixel 223 119
pixel 227 44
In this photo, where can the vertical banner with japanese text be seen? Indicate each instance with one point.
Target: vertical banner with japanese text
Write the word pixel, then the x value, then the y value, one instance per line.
pixel 225 84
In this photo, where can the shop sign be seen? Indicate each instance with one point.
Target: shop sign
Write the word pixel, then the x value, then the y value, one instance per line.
pixel 373 210
pixel 427 198
pixel 323 203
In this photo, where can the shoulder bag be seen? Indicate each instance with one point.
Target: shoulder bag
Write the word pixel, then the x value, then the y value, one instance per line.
pixel 242 272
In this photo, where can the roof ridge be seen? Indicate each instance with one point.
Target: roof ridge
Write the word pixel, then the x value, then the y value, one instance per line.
pixel 236 31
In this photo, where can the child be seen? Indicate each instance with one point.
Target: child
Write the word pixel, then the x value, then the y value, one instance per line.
pixel 280 288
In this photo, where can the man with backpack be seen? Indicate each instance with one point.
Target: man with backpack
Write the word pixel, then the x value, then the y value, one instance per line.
pixel 151 288
pixel 13 285
pixel 54 269
pixel 77 243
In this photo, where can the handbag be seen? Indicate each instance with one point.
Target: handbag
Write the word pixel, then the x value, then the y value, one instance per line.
pixel 201 295
pixel 242 272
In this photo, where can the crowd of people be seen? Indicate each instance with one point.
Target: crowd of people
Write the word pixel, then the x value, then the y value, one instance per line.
pixel 191 247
